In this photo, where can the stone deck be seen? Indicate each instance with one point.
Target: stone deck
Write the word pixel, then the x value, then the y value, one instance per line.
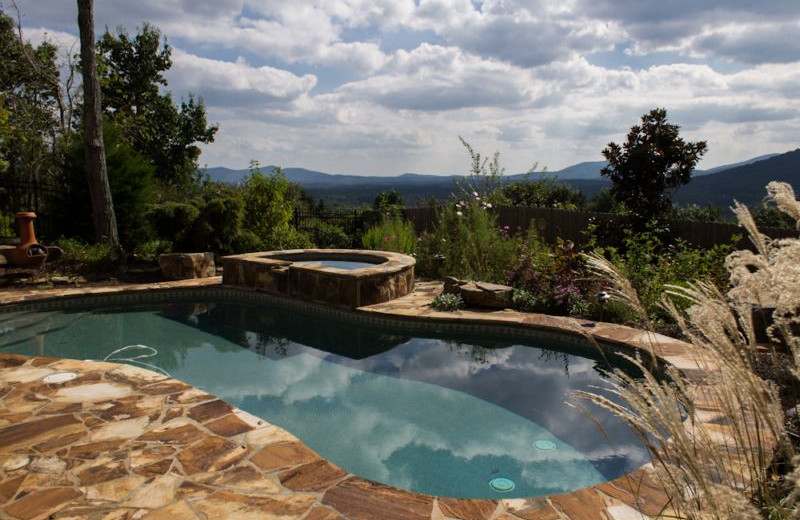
pixel 119 442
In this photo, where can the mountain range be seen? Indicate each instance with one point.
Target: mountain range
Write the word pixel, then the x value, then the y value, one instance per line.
pixel 744 181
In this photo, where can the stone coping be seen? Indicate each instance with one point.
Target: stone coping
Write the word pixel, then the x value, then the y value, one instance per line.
pixel 121 442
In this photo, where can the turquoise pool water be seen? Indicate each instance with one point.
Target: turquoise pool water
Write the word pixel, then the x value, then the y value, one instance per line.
pixel 338 264
pixel 471 416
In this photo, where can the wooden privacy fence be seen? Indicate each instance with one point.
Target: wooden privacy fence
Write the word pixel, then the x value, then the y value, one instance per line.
pixel 553 223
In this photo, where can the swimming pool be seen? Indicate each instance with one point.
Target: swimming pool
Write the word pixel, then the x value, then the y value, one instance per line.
pixel 458 415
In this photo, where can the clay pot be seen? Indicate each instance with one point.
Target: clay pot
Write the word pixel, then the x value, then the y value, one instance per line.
pixel 28 253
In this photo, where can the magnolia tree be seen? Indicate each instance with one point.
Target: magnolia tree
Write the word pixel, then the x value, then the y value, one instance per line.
pixel 650 165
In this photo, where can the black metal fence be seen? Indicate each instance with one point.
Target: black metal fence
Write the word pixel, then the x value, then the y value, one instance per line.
pixel 27 196
pixel 334 228
pixel 351 221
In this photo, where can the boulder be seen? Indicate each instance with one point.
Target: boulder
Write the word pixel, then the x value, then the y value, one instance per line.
pixel 480 294
pixel 181 266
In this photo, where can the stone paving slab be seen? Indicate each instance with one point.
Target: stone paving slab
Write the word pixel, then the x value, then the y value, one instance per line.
pixel 121 442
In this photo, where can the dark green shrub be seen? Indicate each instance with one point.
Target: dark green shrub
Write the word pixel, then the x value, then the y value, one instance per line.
pixel 133 189
pixel 328 236
pixel 172 221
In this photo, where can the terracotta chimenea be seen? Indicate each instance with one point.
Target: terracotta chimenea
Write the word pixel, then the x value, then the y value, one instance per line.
pixel 28 253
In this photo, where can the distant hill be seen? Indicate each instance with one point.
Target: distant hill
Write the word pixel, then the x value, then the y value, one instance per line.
pixel 337 189
pixel 584 170
pixel 718 186
pixel 743 183
pixel 736 165
pixel 591 170
pixel 306 177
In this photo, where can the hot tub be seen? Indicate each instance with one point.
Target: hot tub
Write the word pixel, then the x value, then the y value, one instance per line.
pixel 343 277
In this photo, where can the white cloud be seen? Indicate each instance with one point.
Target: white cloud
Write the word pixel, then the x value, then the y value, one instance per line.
pixel 66 42
pixel 436 78
pixel 377 86
pixel 653 26
pixel 752 44
pixel 236 83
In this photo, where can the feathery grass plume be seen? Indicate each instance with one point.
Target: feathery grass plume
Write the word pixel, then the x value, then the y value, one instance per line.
pixel 720 468
pixel 617 285
pixel 783 196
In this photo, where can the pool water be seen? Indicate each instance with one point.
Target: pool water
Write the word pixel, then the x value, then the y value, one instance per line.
pixel 470 416
pixel 338 264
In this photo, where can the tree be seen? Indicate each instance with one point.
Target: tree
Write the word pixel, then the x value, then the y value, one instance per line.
pixel 5 134
pixel 652 163
pixel 29 98
pixel 388 200
pixel 546 192
pixel 131 76
pixel 105 223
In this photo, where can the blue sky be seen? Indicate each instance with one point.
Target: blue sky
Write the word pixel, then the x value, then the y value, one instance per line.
pixel 386 87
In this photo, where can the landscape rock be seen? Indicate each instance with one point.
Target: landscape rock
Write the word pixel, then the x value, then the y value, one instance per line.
pixel 480 294
pixel 181 266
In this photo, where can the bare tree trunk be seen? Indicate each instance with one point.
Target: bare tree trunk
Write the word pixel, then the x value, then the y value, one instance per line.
pixel 105 223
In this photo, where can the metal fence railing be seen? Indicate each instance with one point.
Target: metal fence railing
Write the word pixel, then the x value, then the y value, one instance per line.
pixel 351 221
pixel 27 196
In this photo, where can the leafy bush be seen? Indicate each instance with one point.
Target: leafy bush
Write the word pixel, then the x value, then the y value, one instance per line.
pixel 447 302
pixel 328 236
pixel 268 209
pixel 393 233
pixel 698 213
pixel 467 243
pixel 770 217
pixel 524 301
pixel 229 219
pixel 173 220
pixel 551 280
pixel 92 257
pixel 7 228
pixel 546 191
pixel 210 222
pixel 650 264
pixel 151 249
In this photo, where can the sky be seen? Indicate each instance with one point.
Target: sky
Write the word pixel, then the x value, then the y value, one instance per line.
pixel 385 87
